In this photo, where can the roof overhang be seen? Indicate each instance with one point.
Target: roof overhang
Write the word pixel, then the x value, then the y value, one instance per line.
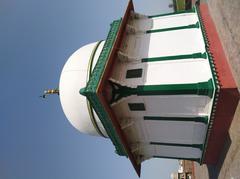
pixel 227 98
pixel 95 89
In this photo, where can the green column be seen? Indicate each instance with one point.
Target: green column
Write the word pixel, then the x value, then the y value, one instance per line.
pixel 199 146
pixel 202 88
pixel 176 57
pixel 202 119
pixel 174 28
pixel 178 158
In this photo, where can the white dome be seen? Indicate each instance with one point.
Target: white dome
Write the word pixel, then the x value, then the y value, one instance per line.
pixel 74 76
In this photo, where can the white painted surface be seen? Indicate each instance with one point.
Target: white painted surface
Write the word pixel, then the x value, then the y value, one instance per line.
pixel 176 105
pixel 169 43
pixel 166 105
pixel 177 72
pixel 176 42
pixel 174 20
pixel 138 46
pixel 73 78
pixel 171 151
pixel 181 152
pixel 184 71
pixel 175 131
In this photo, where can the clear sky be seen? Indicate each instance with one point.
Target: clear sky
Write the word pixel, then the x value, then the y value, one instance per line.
pixel 36 140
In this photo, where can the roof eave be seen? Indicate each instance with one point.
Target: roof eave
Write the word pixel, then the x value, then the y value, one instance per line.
pixel 107 72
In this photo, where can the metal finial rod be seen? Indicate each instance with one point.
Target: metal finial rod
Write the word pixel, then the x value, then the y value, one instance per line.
pixel 49 92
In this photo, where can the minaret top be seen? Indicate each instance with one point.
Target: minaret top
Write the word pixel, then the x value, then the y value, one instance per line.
pixel 49 92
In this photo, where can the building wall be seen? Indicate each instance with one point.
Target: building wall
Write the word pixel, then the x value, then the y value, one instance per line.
pixel 164 138
pixel 174 20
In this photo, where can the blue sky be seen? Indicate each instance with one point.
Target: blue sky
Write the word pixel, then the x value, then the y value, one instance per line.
pixel 37 141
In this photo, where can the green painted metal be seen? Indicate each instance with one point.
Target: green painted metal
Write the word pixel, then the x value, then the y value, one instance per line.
pixel 201 88
pixel 119 91
pixel 90 90
pixel 90 109
pixel 202 119
pixel 205 38
pixel 176 57
pixel 174 28
pixel 199 146
pixel 178 158
pixel 173 13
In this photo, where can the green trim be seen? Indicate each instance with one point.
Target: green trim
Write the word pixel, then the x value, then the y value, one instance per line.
pixel 201 88
pixel 202 119
pixel 199 146
pixel 83 91
pixel 174 28
pixel 90 64
pixel 90 90
pixel 90 110
pixel 175 6
pixel 173 13
pixel 205 38
pixel 178 158
pixel 93 119
pixel 176 57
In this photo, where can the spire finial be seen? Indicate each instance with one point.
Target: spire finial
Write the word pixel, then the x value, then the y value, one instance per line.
pixel 49 92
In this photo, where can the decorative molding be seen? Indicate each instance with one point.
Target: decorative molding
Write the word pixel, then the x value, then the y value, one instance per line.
pixel 125 58
pixel 135 15
pixel 90 91
pixel 90 110
pixel 215 80
pixel 133 30
pixel 96 87
pixel 135 147
pixel 126 122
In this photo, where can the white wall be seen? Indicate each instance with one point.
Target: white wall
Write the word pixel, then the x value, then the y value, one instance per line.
pixel 184 71
pixel 171 151
pixel 166 105
pixel 175 131
pixel 174 20
pixel 177 72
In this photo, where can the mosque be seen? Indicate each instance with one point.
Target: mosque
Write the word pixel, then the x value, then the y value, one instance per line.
pixel 158 87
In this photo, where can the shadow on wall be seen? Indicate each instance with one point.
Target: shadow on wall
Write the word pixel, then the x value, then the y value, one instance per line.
pixel 214 170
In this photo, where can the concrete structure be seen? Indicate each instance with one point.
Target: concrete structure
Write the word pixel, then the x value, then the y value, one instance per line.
pixel 185 171
pixel 153 87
